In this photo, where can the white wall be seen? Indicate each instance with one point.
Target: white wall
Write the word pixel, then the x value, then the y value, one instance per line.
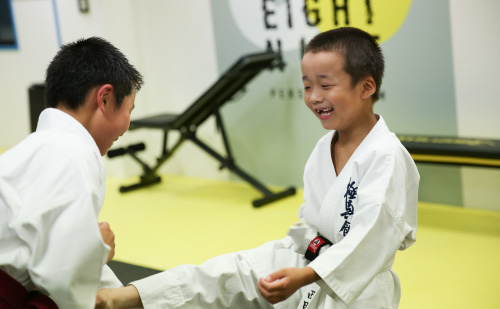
pixel 169 42
pixel 37 41
pixel 177 54
pixel 476 48
pixel 172 44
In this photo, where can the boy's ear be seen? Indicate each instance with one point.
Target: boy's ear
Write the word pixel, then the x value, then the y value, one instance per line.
pixel 369 87
pixel 105 97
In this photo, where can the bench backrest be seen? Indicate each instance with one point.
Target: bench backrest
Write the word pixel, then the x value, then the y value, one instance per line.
pixel 232 81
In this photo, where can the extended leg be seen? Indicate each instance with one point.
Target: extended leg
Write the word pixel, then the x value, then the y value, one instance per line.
pixel 226 281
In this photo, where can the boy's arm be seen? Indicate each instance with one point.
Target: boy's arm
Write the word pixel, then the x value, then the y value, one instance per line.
pixel 68 263
pixel 65 246
pixel 279 285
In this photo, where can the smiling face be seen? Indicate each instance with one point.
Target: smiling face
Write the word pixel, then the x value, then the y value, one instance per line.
pixel 329 93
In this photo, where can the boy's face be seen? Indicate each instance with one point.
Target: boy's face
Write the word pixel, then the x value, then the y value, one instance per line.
pixel 116 122
pixel 328 91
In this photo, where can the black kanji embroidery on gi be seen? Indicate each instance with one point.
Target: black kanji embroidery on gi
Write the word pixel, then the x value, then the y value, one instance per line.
pixel 311 294
pixel 349 197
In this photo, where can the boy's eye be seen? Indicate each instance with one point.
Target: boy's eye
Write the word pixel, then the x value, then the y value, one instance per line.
pixel 307 87
pixel 325 86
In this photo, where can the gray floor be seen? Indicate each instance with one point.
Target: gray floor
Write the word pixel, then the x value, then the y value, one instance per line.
pixel 128 272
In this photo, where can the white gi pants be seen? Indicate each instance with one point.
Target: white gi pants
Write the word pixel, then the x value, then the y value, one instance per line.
pixel 230 281
pixel 226 281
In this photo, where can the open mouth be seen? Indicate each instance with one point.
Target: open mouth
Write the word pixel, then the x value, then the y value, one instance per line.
pixel 325 111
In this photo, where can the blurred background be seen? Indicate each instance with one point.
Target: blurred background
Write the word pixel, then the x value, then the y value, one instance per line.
pixel 442 73
pixel 441 76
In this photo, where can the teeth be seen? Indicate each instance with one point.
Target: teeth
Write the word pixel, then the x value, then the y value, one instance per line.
pixel 324 111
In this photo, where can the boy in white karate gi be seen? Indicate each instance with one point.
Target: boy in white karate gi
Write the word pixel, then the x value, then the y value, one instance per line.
pixel 52 183
pixel 360 205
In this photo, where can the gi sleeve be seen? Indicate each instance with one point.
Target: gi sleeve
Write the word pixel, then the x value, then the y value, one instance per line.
pixel 59 227
pixel 109 279
pixel 378 228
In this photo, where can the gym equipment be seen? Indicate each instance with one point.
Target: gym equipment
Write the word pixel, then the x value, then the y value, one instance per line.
pixel 187 123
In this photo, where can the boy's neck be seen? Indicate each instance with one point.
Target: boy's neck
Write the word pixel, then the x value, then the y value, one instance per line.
pixel 357 133
pixel 345 143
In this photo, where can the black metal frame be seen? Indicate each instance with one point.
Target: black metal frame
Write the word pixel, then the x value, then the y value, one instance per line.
pixel 230 83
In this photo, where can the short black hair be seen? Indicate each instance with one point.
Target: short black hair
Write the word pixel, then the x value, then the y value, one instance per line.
pixel 363 56
pixel 80 66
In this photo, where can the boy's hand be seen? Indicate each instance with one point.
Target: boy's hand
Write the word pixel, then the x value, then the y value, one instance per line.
pixel 108 237
pixel 280 285
pixel 101 300
pixel 125 297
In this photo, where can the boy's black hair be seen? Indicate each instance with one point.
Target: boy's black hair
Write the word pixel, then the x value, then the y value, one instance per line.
pixel 87 63
pixel 363 56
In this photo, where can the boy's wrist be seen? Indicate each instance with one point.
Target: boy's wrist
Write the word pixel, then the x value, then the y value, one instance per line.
pixel 130 297
pixel 309 275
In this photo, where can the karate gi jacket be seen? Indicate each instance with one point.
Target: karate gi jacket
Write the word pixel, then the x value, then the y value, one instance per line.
pixel 368 212
pixel 52 187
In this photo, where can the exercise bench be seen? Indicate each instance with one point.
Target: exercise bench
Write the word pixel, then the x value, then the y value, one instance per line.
pixel 449 150
pixel 187 123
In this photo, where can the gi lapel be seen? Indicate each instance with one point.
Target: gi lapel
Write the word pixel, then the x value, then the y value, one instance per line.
pixel 339 204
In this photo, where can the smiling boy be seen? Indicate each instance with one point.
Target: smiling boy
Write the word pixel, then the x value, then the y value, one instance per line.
pixel 360 205
pixel 52 183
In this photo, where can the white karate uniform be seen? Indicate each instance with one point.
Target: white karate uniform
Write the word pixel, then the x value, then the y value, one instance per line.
pixel 52 188
pixel 368 212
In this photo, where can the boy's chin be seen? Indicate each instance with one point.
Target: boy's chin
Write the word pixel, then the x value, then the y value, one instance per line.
pixel 327 125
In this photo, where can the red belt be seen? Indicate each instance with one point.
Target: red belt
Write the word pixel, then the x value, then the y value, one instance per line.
pixel 315 245
pixel 14 295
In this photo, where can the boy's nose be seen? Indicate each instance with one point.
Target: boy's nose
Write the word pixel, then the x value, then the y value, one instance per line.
pixel 316 97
